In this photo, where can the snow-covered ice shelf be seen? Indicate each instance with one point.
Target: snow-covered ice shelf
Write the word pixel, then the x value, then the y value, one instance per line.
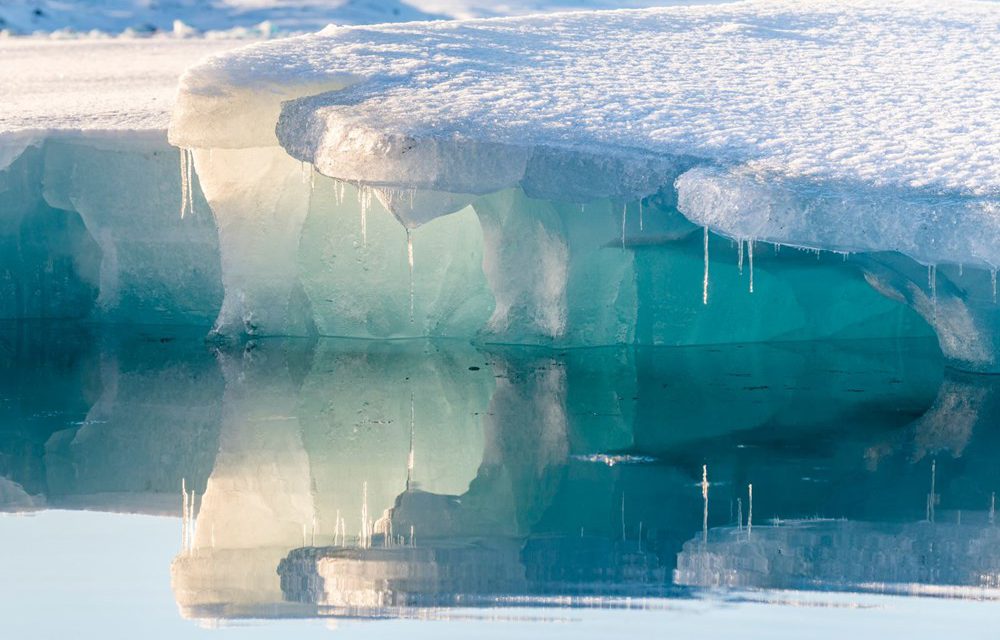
pixel 572 179
pixel 848 127
pixel 849 110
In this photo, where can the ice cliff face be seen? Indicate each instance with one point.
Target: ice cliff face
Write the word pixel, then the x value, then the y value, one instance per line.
pixel 589 146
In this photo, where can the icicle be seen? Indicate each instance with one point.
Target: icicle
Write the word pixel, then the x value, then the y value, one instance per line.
pixel 624 214
pixel 961 269
pixel 338 192
pixel 749 510
pixel 704 497
pixel 184 181
pixel 739 514
pixel 932 284
pixel 640 215
pixel 313 543
pixel 364 199
pixel 704 284
pixel 750 257
pixel 739 255
pixel 409 260
pixel 411 535
pixel 190 181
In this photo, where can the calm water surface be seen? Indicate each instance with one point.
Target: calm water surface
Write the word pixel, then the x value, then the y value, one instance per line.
pixel 155 486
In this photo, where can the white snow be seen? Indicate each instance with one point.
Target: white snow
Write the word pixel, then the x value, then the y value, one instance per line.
pixel 188 17
pixel 96 85
pixel 835 117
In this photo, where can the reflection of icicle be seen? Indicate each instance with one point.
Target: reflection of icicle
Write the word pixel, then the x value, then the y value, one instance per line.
pixel 704 498
pixel 749 510
pixel 704 284
pixel 192 523
pixel 184 515
pixel 932 497
pixel 623 516
pixel 993 507
pixel 410 458
pixel 411 535
pixel 993 280
pixel 739 514
pixel 364 537
pixel 409 260
pixel 640 215
pixel 750 257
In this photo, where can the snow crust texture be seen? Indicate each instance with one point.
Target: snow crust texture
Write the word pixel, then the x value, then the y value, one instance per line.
pixel 812 109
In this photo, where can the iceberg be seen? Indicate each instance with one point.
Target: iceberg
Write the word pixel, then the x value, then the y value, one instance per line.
pixel 754 171
pixel 591 146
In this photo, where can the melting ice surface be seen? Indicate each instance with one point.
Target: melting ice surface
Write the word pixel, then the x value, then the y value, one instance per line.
pixel 433 484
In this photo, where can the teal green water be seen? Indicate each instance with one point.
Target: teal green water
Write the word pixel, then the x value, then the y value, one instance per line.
pixel 406 481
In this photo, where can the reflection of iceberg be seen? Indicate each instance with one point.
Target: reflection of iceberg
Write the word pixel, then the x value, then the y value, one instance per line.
pixel 303 431
pixel 469 572
pixel 278 438
pixel 403 576
pixel 921 558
